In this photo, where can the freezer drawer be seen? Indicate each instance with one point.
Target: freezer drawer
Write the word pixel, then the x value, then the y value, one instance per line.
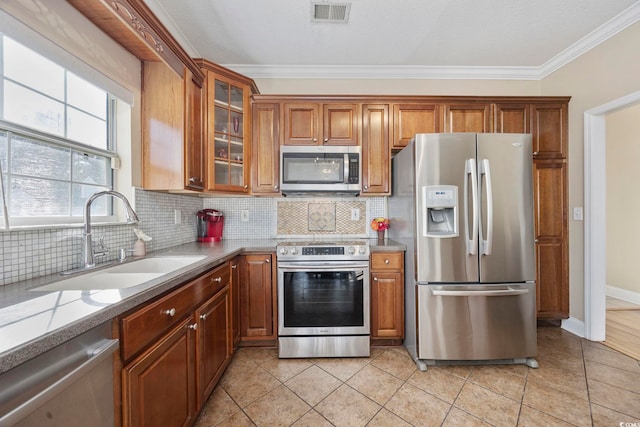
pixel 476 322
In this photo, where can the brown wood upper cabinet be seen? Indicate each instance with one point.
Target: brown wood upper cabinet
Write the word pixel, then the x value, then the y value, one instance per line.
pixel 410 119
pixel 376 170
pixel 511 118
pixel 320 124
pixel 265 146
pixel 171 129
pixel 228 129
pixel 549 130
pixel 468 117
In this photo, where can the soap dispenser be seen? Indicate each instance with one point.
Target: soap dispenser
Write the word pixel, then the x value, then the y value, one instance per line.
pixel 139 247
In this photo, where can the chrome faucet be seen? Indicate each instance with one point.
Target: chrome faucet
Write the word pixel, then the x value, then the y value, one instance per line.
pixel 87 250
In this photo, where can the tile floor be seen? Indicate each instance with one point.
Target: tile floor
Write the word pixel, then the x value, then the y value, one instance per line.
pixel 578 383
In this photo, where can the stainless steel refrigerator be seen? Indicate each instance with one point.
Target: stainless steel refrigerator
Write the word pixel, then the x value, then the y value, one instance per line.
pixel 462 203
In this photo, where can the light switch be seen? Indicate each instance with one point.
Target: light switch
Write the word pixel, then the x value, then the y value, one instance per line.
pixel 577 214
pixel 355 214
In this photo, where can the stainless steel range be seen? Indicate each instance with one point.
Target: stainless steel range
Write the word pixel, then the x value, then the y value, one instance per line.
pixel 323 299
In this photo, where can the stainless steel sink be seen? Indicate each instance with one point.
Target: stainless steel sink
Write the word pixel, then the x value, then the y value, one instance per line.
pixel 123 276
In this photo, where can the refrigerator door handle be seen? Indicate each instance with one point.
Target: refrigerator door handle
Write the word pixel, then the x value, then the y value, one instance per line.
pixel 491 293
pixel 486 245
pixel 470 170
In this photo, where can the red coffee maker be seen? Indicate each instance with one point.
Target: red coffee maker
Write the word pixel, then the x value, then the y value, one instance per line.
pixel 210 223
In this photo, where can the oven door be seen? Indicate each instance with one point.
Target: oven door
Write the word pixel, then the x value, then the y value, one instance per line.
pixel 323 298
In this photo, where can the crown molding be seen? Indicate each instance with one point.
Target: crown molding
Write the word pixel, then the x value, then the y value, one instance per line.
pixel 618 23
pixel 384 72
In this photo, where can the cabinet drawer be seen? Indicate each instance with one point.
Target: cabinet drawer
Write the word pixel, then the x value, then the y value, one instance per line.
pixel 210 283
pixel 149 323
pixel 387 261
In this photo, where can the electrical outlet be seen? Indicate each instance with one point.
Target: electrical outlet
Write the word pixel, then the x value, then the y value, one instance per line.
pixel 577 214
pixel 177 216
pixel 355 214
pixel 244 215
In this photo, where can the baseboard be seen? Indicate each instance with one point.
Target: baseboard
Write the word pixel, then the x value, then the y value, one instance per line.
pixel 623 294
pixel 574 326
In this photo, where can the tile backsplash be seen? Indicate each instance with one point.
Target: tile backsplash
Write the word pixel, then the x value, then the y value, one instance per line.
pixel 303 218
pixel 27 254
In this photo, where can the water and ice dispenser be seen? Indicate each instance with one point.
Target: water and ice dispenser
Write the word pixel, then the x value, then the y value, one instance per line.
pixel 440 210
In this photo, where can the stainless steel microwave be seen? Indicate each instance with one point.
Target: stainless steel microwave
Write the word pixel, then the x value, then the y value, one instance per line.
pixel 320 169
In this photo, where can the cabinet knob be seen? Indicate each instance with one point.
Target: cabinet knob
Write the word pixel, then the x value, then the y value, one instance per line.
pixel 366 187
pixel 193 327
pixel 275 187
pixel 535 153
pixel 234 266
pixel 386 261
pixel 326 140
pixel 536 241
pixel 203 316
pixel 245 187
pixel 375 279
pixel 315 139
pixel 194 179
pixel 267 260
pixel 171 312
pixel 217 279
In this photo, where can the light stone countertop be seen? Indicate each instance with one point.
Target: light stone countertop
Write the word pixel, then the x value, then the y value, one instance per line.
pixel 32 322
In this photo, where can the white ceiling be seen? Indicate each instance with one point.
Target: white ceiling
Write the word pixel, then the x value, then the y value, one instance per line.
pixel 395 38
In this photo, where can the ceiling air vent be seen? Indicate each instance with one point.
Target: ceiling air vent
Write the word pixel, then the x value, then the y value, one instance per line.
pixel 330 12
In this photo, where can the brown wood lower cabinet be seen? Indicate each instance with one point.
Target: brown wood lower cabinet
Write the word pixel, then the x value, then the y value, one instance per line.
pixel 258 305
pixel 174 350
pixel 387 297
pixel 159 387
pixel 214 346
pixel 235 300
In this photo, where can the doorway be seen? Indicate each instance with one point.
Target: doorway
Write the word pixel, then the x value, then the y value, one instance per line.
pixel 595 214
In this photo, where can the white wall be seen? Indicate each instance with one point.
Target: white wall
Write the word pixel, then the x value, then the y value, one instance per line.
pixel 623 198
pixel 605 73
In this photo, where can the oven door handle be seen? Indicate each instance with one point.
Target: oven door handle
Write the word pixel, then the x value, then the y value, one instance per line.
pixel 323 266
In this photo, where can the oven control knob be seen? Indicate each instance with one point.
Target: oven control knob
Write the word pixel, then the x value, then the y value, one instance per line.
pixel 351 250
pixel 283 251
pixel 294 251
pixel 362 250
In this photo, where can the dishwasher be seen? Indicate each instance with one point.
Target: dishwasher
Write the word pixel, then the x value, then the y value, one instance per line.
pixel 70 385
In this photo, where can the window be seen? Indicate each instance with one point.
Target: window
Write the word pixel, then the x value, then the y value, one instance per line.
pixel 56 139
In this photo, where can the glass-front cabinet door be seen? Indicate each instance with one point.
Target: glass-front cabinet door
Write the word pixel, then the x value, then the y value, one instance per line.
pixel 228 139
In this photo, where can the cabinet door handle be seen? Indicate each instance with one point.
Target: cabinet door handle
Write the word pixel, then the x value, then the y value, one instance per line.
pixel 217 279
pixel 326 140
pixel 234 266
pixel 366 187
pixel 275 187
pixel 245 187
pixel 535 153
pixel 193 327
pixel 315 139
pixel 386 261
pixel 203 316
pixel 194 179
pixel 375 279
pixel 171 312
pixel 267 260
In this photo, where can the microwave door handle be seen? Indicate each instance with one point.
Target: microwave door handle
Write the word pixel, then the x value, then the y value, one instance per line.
pixel 346 168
